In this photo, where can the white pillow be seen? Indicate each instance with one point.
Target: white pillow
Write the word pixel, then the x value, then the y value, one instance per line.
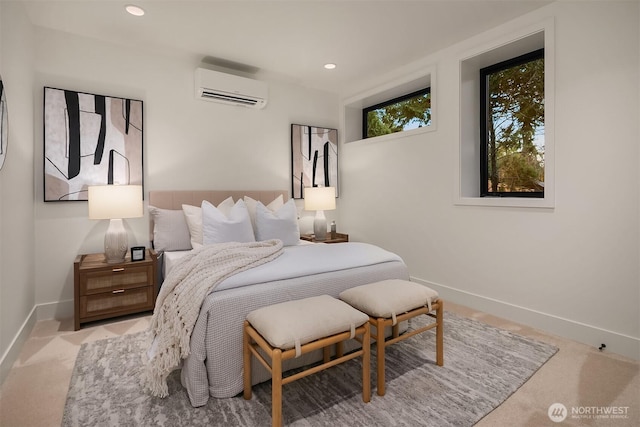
pixel 281 224
pixel 252 204
pixel 217 227
pixel 193 215
pixel 170 231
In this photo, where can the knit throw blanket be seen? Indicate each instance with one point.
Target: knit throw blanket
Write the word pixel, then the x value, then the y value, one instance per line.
pixel 181 295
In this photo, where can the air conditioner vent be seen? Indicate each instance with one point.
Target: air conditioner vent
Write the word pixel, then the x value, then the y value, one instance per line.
pixel 228 98
pixel 230 89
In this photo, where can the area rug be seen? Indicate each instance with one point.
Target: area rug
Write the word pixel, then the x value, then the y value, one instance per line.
pixel 483 366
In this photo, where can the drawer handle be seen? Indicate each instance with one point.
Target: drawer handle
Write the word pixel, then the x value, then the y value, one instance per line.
pixel 116 270
pixel 119 291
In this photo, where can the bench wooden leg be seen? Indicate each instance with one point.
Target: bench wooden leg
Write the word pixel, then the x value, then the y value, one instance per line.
pixel 326 354
pixel 246 352
pixel 380 354
pixel 440 334
pixel 366 364
pixel 276 388
pixel 395 330
pixel 252 339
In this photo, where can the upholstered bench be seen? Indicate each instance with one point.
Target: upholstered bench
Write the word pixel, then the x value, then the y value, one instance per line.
pixel 392 301
pixel 287 330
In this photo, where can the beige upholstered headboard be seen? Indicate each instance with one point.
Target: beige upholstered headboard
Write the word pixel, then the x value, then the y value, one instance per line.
pixel 174 199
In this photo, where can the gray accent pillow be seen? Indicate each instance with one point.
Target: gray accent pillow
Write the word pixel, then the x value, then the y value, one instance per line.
pixel 170 231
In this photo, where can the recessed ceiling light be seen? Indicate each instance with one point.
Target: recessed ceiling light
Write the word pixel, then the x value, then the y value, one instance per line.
pixel 330 66
pixel 134 10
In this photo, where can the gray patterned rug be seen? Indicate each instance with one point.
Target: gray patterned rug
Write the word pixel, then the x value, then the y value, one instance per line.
pixel 483 367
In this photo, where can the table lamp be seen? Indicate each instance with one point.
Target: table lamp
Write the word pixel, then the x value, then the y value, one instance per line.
pixel 319 199
pixel 115 202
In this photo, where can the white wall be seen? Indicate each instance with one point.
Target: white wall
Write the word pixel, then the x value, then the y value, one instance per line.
pixel 188 143
pixel 572 270
pixel 17 259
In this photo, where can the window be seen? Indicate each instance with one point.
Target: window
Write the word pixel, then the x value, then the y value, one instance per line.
pixel 406 112
pixel 512 143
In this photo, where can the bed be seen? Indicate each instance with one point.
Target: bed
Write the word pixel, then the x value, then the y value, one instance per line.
pixel 214 366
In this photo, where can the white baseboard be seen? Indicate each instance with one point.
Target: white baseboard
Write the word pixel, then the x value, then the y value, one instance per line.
pixel 13 351
pixel 55 310
pixel 622 344
pixel 51 310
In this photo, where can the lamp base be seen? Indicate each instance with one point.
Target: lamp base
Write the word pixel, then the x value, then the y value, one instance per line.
pixel 320 226
pixel 115 242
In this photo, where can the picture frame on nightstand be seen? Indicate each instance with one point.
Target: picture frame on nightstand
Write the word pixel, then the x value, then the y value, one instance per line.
pixel 137 253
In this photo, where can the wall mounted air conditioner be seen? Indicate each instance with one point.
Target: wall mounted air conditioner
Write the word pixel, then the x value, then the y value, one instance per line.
pixel 230 89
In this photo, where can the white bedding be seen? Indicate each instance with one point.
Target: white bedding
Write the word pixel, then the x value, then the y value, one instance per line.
pixel 171 257
pixel 214 366
pixel 301 260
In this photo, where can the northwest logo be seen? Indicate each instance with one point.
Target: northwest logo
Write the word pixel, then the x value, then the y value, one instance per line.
pixel 557 412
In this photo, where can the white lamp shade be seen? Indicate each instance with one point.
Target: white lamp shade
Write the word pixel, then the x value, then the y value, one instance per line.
pixel 115 201
pixel 319 198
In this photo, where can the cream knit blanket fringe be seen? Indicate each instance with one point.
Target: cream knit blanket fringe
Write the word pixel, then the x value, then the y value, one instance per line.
pixel 181 295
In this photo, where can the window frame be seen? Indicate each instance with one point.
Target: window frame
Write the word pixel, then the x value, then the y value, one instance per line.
pixel 414 94
pixel 484 108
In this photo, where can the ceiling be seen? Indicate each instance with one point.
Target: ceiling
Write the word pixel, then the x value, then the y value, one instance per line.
pixel 292 39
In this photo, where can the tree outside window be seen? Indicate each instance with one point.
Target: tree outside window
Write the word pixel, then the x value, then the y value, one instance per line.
pixel 400 114
pixel 512 127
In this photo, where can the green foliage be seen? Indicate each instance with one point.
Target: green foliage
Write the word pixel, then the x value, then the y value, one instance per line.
pixel 375 124
pixel 516 117
pixel 411 113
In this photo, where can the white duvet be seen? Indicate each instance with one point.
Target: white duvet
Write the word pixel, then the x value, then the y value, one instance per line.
pixel 302 260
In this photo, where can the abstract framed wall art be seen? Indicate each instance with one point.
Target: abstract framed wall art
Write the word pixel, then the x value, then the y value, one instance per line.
pixel 314 158
pixel 89 140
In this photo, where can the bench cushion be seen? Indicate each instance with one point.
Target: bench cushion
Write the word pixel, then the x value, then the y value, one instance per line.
pixel 389 297
pixel 294 323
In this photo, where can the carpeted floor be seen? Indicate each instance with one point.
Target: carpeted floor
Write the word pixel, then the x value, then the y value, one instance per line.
pixel 484 365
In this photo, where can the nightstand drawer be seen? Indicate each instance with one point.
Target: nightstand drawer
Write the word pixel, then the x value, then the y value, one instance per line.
pixel 112 302
pixel 115 278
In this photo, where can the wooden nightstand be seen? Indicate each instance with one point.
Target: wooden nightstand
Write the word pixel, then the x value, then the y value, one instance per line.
pixel 103 291
pixel 340 238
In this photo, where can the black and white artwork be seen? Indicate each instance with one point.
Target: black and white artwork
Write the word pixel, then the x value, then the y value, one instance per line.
pixel 89 140
pixel 314 158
